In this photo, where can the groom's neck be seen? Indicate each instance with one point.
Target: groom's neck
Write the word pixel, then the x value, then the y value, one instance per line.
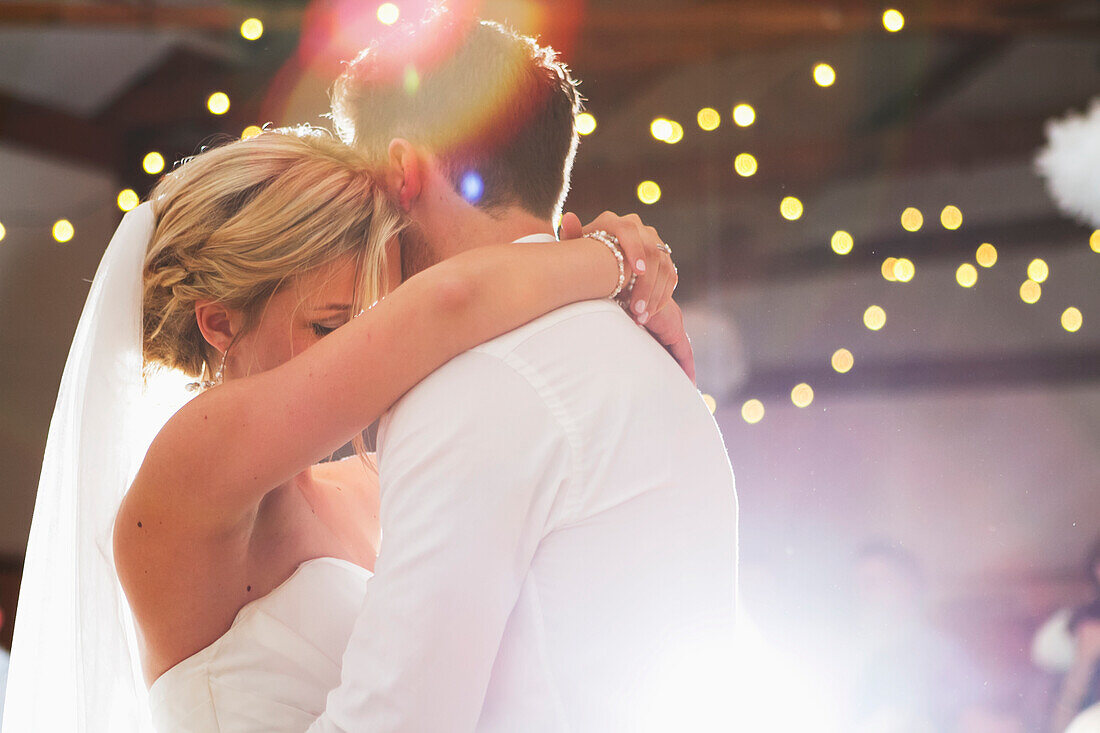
pixel 475 227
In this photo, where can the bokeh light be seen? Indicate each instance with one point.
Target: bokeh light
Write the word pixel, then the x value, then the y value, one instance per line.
pixel 904 270
pixel 951 217
pixel 986 255
pixel 752 411
pixel 3 232
pixel 1038 270
pixel 710 402
pixel 874 318
pixel 218 103
pixel 708 118
pixel 966 275
pixel 388 13
pixel 473 188
pixel 911 219
pixel 661 129
pixel 744 164
pixel 677 133
pixel 802 395
pixel 1094 241
pixel 649 192
pixel 252 29
pixel 888 265
pixel 843 361
pixel 63 230
pixel 128 199
pixel 1030 291
pixel 586 123
pixel 824 75
pixel 790 207
pixel 744 115
pixel 251 131
pixel 841 242
pixel 1072 319
pixel 893 20
pixel 153 163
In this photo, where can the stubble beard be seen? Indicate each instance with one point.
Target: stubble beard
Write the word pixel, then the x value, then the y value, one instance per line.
pixel 416 253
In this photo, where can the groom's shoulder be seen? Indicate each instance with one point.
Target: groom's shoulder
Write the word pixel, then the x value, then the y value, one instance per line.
pixel 590 316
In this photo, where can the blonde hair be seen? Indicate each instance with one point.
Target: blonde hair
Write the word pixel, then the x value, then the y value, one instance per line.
pixel 234 223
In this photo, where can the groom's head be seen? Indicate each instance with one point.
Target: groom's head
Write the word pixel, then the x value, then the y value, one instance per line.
pixel 475 106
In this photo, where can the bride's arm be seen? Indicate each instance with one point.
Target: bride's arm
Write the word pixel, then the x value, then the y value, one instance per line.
pixel 222 452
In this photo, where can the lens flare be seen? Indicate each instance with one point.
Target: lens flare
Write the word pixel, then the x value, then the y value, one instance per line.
pixel 388 13
pixel 708 119
pixel 893 20
pixel 790 208
pixel 153 163
pixel 843 361
pixel 888 265
pixel 744 115
pixel 802 395
pixel 752 411
pixel 1030 292
pixel 251 131
pixel 63 230
pixel 3 232
pixel 661 129
pixel 473 188
pixel 1038 270
pixel 744 164
pixel 874 318
pixel 677 133
pixel 911 219
pixel 824 75
pixel 904 270
pixel 252 29
pixel 966 275
pixel 951 217
pixel 128 199
pixel 986 255
pixel 841 242
pixel 1094 241
pixel 218 103
pixel 649 192
pixel 586 123
pixel 710 402
pixel 1072 319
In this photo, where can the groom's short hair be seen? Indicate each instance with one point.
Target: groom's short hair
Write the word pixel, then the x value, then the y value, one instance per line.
pixel 495 108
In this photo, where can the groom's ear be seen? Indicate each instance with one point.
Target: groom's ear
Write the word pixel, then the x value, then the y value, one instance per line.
pixel 404 172
pixel 217 323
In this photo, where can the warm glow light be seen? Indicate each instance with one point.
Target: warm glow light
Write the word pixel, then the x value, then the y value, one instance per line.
pixel 252 29
pixel 1030 291
pixel 586 123
pixel 744 164
pixel 951 217
pixel 63 230
pixel 218 103
pixel 1094 241
pixel 841 242
pixel 649 192
pixel 3 232
pixel 153 163
pixel 824 75
pixel 128 199
pixel 710 402
pixel 986 255
pixel 874 318
pixel 661 129
pixel 251 131
pixel 966 275
pixel 1038 271
pixel 744 115
pixel 843 361
pixel 904 270
pixel 388 13
pixel 708 118
pixel 893 21
pixel 1072 319
pixel 752 411
pixel 790 208
pixel 677 133
pixel 802 395
pixel 888 265
pixel 911 219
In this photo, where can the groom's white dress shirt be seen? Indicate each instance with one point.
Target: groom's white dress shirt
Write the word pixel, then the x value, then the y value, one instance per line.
pixel 559 536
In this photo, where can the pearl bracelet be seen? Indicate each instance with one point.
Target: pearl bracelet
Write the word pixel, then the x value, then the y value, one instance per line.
pixel 612 244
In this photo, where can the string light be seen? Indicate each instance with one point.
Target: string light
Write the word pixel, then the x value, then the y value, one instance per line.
pixel 802 395
pixel 893 20
pixel 1030 292
pixel 661 129
pixel 251 131
pixel 388 13
pixel 708 119
pixel 874 318
pixel 824 75
pixel 843 361
pixel 986 255
pixel 888 269
pixel 904 270
pixel 1072 319
pixel 744 164
pixel 841 242
pixel 710 402
pixel 649 192
pixel 1094 241
pixel 128 199
pixel 966 275
pixel 951 217
pixel 63 230
pixel 790 208
pixel 218 103
pixel 752 411
pixel 586 123
pixel 677 133
pixel 252 29
pixel 153 163
pixel 911 219
pixel 744 115
pixel 1038 270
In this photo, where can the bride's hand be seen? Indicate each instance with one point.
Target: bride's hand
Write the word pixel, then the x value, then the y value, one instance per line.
pixel 664 319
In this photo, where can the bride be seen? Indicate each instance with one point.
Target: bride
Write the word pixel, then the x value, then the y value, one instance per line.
pixel 243 559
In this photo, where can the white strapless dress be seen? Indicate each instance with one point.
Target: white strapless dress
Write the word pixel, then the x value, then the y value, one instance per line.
pixel 273 669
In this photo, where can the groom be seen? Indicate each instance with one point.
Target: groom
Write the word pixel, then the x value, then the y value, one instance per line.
pixel 558 510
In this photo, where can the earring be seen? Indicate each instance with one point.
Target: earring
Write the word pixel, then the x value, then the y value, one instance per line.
pixel 204 384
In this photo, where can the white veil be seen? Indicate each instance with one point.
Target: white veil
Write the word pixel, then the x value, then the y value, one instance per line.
pixel 74 664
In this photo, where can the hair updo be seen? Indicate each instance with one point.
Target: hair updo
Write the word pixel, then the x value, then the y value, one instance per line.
pixel 236 222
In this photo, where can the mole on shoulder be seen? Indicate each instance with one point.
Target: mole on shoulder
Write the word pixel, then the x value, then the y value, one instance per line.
pixel 139 524
pixel 249 589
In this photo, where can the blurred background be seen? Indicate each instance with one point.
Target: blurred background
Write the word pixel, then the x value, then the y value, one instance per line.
pixel 895 323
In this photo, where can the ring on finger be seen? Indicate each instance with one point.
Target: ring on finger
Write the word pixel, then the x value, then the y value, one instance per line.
pixel 664 248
